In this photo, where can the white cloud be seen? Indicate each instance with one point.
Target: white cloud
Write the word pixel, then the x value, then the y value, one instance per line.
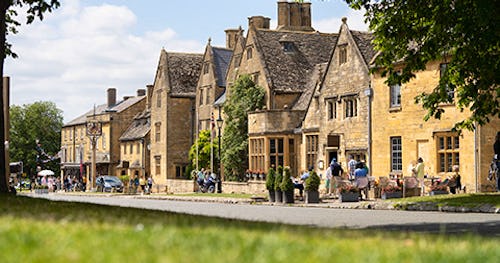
pixel 355 21
pixel 76 53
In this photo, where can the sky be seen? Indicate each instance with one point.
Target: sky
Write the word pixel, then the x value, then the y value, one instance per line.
pixel 87 46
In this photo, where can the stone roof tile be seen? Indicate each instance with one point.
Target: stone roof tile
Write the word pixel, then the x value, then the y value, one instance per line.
pixel 364 42
pixel 184 70
pixel 222 58
pixel 290 71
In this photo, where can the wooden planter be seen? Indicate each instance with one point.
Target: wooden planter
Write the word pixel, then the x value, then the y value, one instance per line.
pixel 413 191
pixel 272 196
pixel 278 196
pixel 312 197
pixel 438 192
pixel 42 191
pixel 288 197
pixel 390 195
pixel 349 197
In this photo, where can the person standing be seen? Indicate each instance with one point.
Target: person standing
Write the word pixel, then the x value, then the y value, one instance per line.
pixel 419 172
pixel 328 177
pixel 351 165
pixel 337 172
pixel 496 149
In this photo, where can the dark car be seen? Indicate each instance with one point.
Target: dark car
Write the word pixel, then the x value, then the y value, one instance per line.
pixel 107 183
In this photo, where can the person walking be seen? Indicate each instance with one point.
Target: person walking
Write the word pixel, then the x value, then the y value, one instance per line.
pixel 150 184
pixel 496 149
pixel 351 166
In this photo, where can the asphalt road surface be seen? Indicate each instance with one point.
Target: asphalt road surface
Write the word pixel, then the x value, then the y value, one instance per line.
pixel 432 222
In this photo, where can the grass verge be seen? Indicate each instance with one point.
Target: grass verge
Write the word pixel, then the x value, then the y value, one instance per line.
pixel 39 230
pixel 465 200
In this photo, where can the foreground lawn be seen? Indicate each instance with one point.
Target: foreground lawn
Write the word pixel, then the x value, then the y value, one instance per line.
pixel 467 200
pixel 38 230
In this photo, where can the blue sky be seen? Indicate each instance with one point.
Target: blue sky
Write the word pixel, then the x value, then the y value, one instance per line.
pixel 88 46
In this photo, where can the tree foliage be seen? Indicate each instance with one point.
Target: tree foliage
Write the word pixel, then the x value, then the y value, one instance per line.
pixel 204 144
pixel 462 33
pixel 244 96
pixel 278 178
pixel 40 121
pixel 286 183
pixel 8 23
pixel 270 179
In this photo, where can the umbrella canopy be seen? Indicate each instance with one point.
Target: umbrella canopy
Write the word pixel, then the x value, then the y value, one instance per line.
pixel 45 173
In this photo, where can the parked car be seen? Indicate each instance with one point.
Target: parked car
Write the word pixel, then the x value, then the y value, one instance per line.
pixel 107 183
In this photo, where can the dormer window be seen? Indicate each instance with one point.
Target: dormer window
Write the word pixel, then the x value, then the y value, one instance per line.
pixel 288 47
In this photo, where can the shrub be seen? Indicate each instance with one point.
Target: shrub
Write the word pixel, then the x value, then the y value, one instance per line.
pixel 312 182
pixel 270 179
pixel 286 183
pixel 278 179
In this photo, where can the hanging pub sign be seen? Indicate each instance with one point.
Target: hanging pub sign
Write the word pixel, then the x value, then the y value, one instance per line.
pixel 94 128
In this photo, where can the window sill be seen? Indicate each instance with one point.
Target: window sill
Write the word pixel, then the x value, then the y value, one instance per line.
pixel 395 109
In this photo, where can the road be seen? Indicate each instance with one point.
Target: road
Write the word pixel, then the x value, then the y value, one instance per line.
pixel 434 222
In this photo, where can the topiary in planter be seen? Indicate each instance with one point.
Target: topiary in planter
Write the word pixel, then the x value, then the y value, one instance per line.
pixel 312 182
pixel 270 179
pixel 278 179
pixel 270 184
pixel 287 187
pixel 286 183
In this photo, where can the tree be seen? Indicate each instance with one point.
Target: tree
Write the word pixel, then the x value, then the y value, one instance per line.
pixel 35 9
pixel 462 33
pixel 36 136
pixel 244 96
pixel 203 143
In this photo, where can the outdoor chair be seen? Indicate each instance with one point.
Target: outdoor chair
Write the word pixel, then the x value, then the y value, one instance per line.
pixel 411 186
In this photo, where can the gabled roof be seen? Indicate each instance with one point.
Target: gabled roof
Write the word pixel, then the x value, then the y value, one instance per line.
pixel 222 58
pixel 184 70
pixel 290 71
pixel 365 46
pixel 103 109
pixel 139 127
pixel 311 87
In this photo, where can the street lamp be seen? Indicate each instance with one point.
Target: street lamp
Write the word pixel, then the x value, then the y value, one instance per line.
pixel 220 122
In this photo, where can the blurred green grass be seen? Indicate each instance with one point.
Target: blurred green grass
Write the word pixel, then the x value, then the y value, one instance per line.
pixel 39 230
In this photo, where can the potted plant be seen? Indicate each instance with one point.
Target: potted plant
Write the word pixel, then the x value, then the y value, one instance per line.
pixel 312 186
pixel 349 193
pixel 270 184
pixel 287 187
pixel 278 195
pixel 392 191
pixel 438 189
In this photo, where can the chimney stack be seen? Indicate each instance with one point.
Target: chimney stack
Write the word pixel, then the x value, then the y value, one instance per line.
pixel 232 36
pixel 111 97
pixel 141 92
pixel 294 16
pixel 149 93
pixel 259 22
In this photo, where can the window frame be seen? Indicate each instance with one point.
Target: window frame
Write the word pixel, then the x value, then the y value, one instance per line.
pixel 396 154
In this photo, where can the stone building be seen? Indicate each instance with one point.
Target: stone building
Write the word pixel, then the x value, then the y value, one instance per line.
pixel 115 117
pixel 401 136
pixel 285 62
pixel 337 120
pixel 173 114
pixel 134 152
pixel 212 80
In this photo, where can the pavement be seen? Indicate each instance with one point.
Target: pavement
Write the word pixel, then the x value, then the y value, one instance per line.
pixel 326 202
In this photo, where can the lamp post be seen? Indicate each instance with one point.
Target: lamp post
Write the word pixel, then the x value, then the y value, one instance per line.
pixel 220 122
